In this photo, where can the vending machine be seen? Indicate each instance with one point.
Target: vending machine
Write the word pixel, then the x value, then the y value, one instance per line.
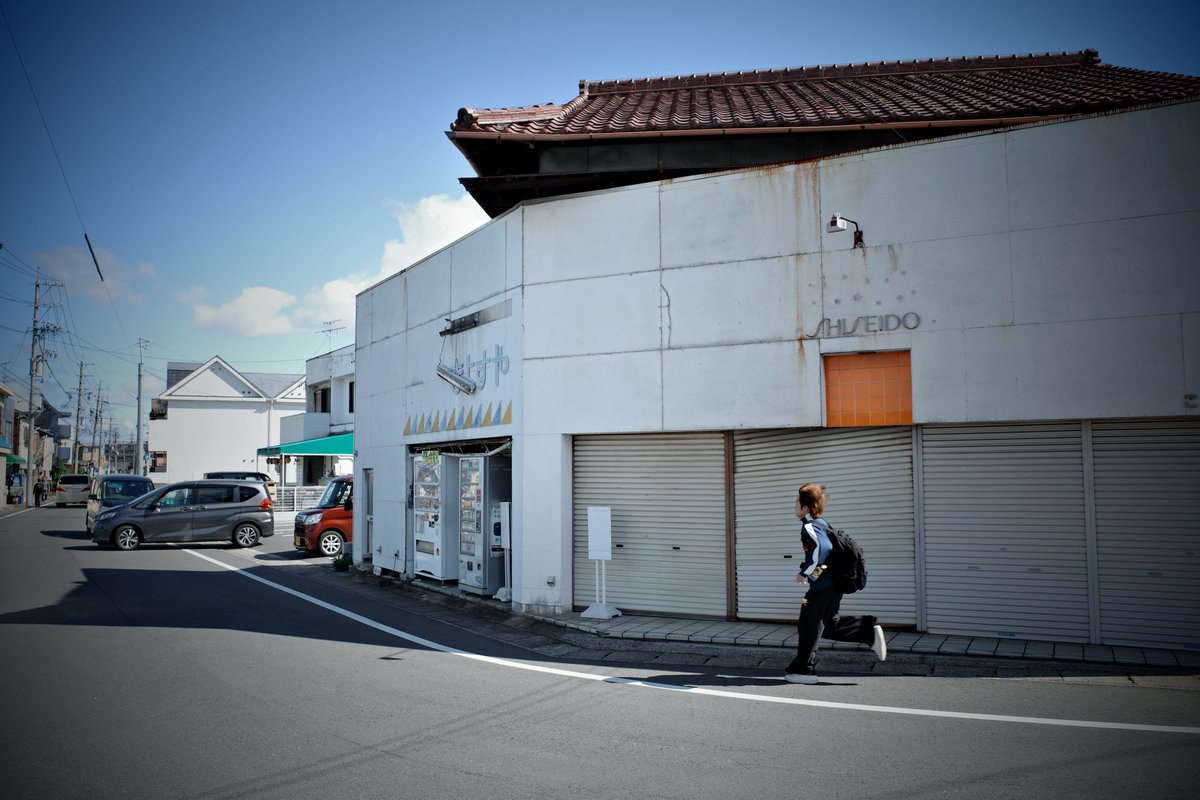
pixel 484 483
pixel 435 515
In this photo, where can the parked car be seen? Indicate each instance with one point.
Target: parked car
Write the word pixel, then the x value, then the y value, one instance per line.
pixel 243 475
pixel 190 511
pixel 113 490
pixel 71 489
pixel 326 526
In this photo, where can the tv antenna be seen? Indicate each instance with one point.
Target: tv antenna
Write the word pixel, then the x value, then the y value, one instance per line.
pixel 328 328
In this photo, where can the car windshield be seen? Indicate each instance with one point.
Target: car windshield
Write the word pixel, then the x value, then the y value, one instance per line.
pixel 125 490
pixel 336 494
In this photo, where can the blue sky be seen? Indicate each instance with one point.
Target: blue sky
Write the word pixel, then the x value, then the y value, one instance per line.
pixel 243 169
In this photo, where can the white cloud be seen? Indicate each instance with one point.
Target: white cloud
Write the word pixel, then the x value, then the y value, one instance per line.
pixel 192 295
pixel 257 311
pixel 73 266
pixel 425 227
pixel 334 301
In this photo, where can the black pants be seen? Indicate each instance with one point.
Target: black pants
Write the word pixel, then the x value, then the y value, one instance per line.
pixel 819 618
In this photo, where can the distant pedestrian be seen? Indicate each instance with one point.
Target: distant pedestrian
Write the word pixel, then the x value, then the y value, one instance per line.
pixel 39 489
pixel 819 611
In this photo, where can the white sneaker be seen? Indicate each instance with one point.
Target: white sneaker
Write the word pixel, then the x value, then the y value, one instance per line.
pixel 801 677
pixel 880 644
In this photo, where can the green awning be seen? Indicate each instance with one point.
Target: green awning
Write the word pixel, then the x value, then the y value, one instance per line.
pixel 340 445
pixel 13 458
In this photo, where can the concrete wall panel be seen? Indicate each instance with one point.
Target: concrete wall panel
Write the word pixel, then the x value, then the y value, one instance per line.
pixel 720 304
pixel 739 216
pixel 605 233
pixel 769 384
pixel 615 313
pixel 590 394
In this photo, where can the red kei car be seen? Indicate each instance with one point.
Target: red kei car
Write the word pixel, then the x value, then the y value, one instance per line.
pixel 325 527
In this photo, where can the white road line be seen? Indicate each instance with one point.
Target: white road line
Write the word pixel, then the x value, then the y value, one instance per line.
pixel 917 712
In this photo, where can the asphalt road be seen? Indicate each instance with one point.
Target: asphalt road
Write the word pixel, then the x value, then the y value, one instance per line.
pixel 213 672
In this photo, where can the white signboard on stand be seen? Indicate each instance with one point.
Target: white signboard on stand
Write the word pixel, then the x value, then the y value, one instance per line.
pixel 599 533
pixel 600 552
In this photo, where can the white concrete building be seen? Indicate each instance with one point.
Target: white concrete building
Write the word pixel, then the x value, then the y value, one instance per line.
pixel 213 417
pixel 322 437
pixel 999 387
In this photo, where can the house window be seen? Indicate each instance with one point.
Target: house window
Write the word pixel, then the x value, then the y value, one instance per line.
pixel 158 460
pixel 351 398
pixel 158 409
pixel 321 400
pixel 867 389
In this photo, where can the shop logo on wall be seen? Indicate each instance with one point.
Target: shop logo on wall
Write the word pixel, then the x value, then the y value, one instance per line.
pixel 861 326
pixel 477 371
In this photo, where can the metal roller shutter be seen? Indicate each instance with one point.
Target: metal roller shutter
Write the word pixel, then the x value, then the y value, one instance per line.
pixel 667 494
pixel 1005 531
pixel 1147 479
pixel 868 472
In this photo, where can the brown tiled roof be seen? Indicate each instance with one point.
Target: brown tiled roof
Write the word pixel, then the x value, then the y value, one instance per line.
pixel 933 92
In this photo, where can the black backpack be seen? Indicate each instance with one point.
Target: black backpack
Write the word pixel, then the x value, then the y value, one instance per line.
pixel 845 563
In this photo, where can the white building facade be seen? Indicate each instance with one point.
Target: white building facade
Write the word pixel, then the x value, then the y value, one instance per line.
pixel 215 418
pixel 999 388
pixel 328 412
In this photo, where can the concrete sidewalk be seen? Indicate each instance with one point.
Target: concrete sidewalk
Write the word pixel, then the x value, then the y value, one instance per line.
pixel 717 643
pixel 754 634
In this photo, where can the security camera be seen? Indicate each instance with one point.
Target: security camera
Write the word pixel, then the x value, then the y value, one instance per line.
pixel 838 223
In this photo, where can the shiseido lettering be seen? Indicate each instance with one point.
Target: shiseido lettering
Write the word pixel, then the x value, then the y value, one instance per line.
pixel 859 326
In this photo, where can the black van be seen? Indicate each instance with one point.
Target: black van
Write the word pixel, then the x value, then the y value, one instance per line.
pixel 241 475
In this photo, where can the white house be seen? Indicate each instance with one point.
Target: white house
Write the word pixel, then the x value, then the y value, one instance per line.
pixel 998 386
pixel 213 417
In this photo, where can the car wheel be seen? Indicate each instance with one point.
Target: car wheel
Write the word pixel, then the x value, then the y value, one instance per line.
pixel 245 535
pixel 330 543
pixel 126 537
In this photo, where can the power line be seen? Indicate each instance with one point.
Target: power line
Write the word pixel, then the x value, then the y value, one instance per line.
pixel 7 259
pixel 54 148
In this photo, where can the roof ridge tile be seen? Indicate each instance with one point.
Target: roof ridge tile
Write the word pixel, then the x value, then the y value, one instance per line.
pixel 1089 57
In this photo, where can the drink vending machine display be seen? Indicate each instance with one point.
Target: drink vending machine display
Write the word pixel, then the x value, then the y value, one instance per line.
pixel 435 515
pixel 484 483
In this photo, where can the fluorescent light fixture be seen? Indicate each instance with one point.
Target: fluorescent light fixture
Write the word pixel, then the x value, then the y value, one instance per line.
pixel 460 382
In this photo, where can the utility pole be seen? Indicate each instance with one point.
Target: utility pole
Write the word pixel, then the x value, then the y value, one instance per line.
pixel 139 462
pixel 33 359
pixel 78 422
pixel 37 356
pixel 96 424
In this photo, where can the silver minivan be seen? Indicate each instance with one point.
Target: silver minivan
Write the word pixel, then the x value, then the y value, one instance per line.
pixel 191 511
